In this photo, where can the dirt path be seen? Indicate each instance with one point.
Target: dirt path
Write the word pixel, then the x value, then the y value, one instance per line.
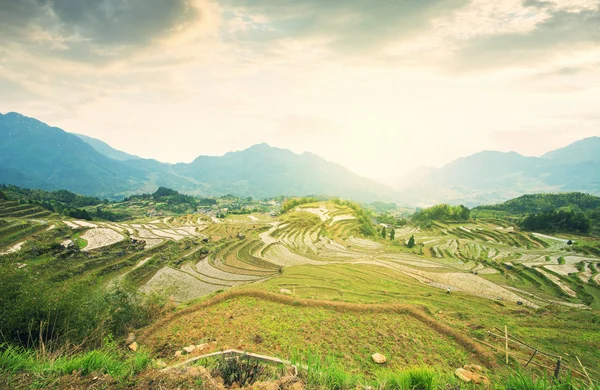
pixel 416 312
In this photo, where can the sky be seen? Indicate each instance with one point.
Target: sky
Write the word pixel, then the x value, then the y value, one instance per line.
pixel 379 86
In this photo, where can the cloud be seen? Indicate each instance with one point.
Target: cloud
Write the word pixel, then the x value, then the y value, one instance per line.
pixel 344 27
pixel 95 31
pixel 566 30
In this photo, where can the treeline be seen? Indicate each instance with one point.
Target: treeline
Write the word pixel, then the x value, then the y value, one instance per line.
pixel 61 202
pixel 295 202
pixel 557 221
pixel 391 220
pixel 542 203
pixel 569 212
pixel 364 217
pixel 442 212
pixel 172 197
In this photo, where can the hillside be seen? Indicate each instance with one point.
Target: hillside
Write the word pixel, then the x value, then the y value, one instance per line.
pixel 573 212
pixel 493 177
pixel 105 149
pixel 538 203
pixel 33 154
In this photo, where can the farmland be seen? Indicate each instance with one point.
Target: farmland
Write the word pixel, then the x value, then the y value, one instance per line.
pixel 284 277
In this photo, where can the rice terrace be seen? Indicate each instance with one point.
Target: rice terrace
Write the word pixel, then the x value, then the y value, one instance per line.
pixel 314 281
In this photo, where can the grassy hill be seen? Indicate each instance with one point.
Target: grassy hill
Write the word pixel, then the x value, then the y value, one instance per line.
pixel 565 212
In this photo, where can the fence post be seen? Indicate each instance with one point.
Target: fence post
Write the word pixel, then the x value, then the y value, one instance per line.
pixel 557 369
pixel 531 358
pixel 584 371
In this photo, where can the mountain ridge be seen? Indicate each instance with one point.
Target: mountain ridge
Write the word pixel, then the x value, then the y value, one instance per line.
pixel 259 171
pixel 34 154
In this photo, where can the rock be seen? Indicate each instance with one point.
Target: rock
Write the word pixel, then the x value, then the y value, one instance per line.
pixel 200 347
pixel 285 291
pixel 160 364
pixel 190 349
pixel 178 353
pixel 462 374
pixel 473 368
pixel 130 339
pixel 258 339
pixel 469 376
pixel 133 346
pixel 379 358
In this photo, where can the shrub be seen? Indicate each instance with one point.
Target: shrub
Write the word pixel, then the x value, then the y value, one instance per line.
pixel 34 311
pixel 240 370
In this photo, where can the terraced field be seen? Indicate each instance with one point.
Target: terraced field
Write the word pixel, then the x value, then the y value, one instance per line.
pixel 315 252
pixel 487 258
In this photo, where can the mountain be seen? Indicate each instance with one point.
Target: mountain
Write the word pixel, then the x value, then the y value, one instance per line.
pixel 263 171
pixel 493 177
pixel 583 151
pixel 105 149
pixel 33 154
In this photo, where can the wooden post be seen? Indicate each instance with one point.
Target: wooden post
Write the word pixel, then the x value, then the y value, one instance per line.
pixel 557 369
pixel 506 338
pixel 584 371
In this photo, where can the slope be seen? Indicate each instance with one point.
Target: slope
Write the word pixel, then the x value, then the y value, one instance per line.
pixel 105 149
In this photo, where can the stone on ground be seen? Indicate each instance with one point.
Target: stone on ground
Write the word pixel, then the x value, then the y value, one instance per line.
pixel 379 358
pixel 130 339
pixel 133 346
pixel 190 349
pixel 471 377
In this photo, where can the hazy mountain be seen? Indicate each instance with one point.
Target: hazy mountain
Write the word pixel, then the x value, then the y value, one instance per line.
pixel 493 177
pixel 410 178
pixel 105 149
pixel 582 151
pixel 33 154
pixel 262 170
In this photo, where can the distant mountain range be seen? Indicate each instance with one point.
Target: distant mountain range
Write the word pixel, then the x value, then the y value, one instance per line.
pixel 35 155
pixel 493 177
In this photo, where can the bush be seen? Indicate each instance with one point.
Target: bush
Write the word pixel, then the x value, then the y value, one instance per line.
pixel 35 311
pixel 240 370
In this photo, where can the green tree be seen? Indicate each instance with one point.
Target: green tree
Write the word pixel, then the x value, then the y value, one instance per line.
pixel 383 232
pixel 411 241
pixel 392 235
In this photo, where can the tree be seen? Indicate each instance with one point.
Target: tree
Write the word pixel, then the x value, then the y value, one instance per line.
pixel 392 234
pixel 383 232
pixel 411 241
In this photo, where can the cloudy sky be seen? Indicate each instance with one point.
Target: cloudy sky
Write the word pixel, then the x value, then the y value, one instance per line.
pixel 380 86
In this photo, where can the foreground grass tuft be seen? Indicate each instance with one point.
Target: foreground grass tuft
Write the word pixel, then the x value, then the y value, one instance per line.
pixel 107 360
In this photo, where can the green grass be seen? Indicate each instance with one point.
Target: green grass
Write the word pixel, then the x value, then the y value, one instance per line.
pixel 108 360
